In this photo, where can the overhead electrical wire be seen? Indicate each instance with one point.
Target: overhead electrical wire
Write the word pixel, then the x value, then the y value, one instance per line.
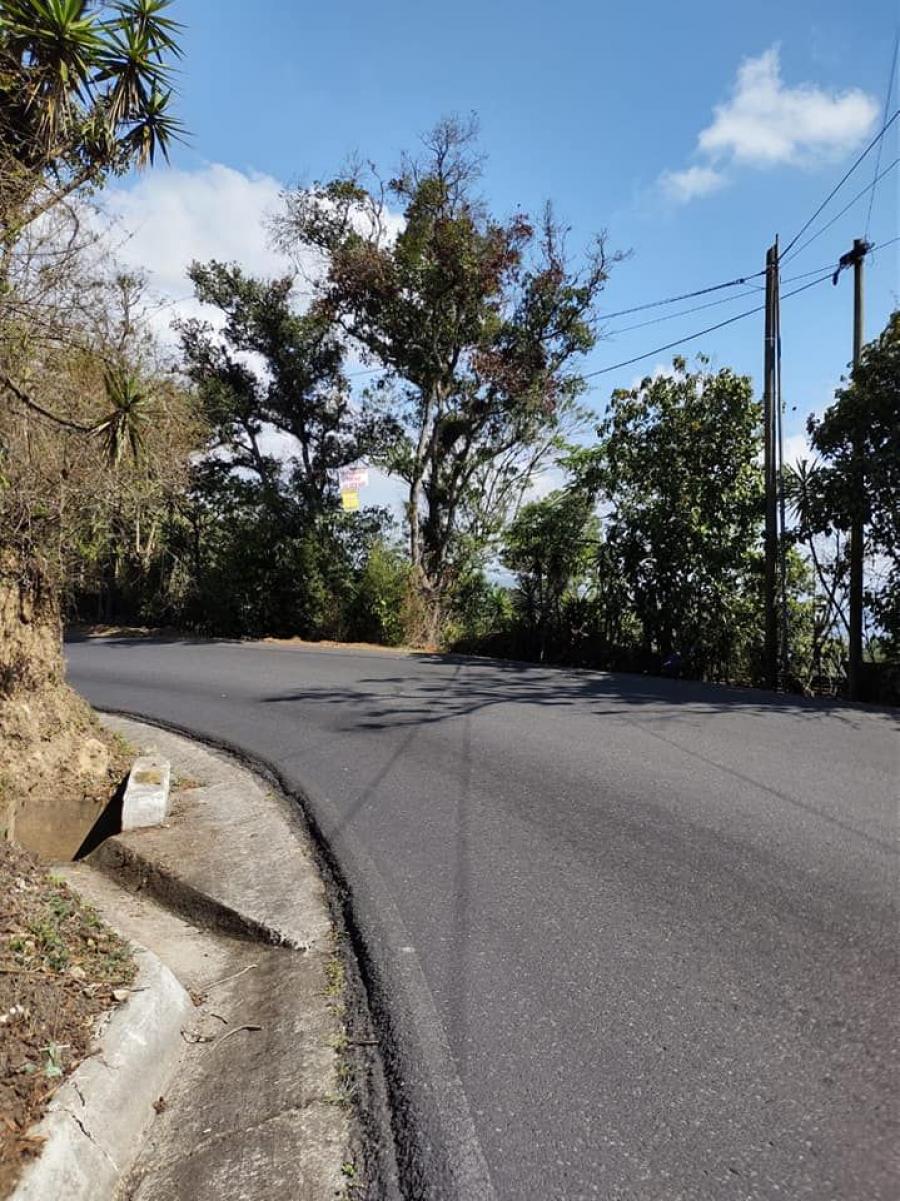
pixel 728 321
pixel 700 332
pixel 655 304
pixel 887 104
pixel 850 203
pixel 612 333
pixel 837 187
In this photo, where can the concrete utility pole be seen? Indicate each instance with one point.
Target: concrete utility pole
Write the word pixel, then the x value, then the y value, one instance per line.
pixel 769 472
pixel 857 530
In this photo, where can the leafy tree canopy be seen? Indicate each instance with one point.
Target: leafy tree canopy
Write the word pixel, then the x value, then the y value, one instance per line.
pixel 272 366
pixel 677 469
pixel 476 324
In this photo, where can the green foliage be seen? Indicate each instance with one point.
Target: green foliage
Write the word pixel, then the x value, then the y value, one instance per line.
pixel 84 91
pixel 678 467
pixel 129 402
pixel 481 619
pixel 859 441
pixel 551 546
pixel 378 610
pixel 475 323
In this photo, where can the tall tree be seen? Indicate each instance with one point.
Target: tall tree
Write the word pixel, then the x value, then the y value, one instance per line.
pixel 865 416
pixel 271 552
pixel 551 545
pixel 272 367
pixel 475 323
pixel 677 469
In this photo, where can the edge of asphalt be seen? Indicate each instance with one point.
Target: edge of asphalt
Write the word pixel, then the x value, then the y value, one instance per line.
pixel 433 1136
pixel 95 1122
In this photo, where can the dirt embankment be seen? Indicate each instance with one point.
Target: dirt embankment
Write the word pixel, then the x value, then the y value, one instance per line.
pixel 58 768
pixel 61 968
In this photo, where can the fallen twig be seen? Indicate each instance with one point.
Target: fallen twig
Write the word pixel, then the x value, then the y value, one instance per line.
pixel 236 1030
pixel 233 976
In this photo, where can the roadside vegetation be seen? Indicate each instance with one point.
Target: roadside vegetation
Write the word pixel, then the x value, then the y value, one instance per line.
pixel 413 330
pixel 60 969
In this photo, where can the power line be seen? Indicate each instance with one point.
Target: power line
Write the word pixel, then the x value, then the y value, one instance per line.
pixel 874 142
pixel 710 304
pixel 699 333
pixel 883 245
pixel 655 304
pixel 887 105
pixel 850 203
pixel 729 321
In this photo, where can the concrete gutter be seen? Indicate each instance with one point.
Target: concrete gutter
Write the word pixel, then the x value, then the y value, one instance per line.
pixel 231 854
pixel 97 1120
pixel 279 1092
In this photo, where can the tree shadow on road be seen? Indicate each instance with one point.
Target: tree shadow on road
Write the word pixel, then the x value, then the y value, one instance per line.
pixel 423 698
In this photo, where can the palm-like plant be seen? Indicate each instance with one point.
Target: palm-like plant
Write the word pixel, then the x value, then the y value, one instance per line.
pixel 123 427
pixel 85 90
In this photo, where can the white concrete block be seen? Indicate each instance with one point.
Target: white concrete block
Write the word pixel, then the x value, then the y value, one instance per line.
pixel 146 800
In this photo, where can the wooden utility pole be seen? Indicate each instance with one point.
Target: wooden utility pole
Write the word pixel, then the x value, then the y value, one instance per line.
pixel 857 529
pixel 770 474
pixel 784 658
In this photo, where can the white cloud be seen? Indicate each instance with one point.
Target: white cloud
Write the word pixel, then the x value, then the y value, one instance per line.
pixel 691 182
pixel 170 217
pixel 765 123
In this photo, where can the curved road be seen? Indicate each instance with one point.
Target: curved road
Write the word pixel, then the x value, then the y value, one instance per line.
pixel 629 938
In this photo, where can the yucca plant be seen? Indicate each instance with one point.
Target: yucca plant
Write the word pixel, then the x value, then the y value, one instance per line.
pixel 129 404
pixel 85 91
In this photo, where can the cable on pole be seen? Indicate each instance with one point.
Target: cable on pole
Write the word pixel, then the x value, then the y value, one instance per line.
pixel 887 105
pixel 874 142
pixel 655 304
pixel 850 203
pixel 625 329
pixel 699 334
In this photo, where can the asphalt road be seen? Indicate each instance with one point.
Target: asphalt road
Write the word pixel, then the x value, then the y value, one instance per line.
pixel 628 938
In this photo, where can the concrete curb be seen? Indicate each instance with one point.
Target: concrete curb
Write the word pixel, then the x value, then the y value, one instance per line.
pixel 141 873
pixel 96 1121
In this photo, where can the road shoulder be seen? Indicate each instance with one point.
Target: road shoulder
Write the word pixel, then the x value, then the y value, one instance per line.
pixel 229 896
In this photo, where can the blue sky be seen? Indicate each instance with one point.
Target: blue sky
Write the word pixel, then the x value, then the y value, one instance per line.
pixel 601 108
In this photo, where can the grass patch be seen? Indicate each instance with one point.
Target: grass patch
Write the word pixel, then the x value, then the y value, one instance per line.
pixel 60 967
